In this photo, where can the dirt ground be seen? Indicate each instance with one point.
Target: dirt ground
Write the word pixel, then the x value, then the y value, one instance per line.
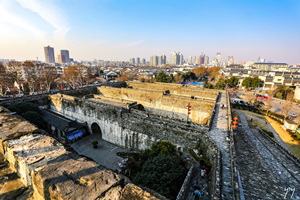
pixel 292 144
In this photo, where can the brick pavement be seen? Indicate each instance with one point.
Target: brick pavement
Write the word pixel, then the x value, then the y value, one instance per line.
pixel 266 172
pixel 219 134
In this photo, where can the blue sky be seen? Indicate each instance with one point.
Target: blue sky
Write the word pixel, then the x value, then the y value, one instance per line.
pixel 119 30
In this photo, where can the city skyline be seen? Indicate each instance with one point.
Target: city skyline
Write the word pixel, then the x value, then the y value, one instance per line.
pixel 115 30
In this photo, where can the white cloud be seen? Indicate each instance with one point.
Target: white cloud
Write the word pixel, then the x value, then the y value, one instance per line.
pixel 131 44
pixel 6 16
pixel 50 13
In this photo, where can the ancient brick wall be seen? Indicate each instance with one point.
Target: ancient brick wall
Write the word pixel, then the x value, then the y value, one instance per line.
pixel 174 106
pixel 178 89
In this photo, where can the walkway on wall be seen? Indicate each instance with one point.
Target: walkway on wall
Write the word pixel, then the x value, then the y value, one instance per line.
pixel 219 134
pixel 276 136
pixel 267 170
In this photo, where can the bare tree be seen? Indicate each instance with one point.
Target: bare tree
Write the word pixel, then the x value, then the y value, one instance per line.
pixel 249 96
pixel 49 76
pixel 286 106
pixel 70 76
pixel 3 80
pixel 268 105
pixel 178 78
pixel 33 75
pixel 15 73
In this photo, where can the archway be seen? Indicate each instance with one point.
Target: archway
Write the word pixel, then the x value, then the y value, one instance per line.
pixel 96 129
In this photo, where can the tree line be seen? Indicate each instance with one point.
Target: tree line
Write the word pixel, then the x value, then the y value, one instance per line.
pixel 30 77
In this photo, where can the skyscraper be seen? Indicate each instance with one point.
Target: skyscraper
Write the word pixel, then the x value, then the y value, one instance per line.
pixel 173 58
pixel 153 60
pixel 162 60
pixel 132 61
pixel 138 61
pixel 65 56
pixel 206 60
pixel 176 58
pixel 219 57
pixel 49 54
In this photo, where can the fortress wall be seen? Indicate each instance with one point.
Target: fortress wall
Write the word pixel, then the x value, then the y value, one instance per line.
pixel 174 106
pixel 54 173
pixel 176 89
pixel 132 130
pixel 135 130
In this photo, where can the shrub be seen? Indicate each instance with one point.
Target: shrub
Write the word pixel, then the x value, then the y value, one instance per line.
pixel 162 148
pixel 163 174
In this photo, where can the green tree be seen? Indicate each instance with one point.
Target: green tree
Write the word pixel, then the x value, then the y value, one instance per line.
pixel 189 76
pixel 161 77
pixel 29 111
pixel 233 81
pixel 208 85
pixel 255 82
pixel 251 82
pixel 220 84
pixel 163 148
pixel 162 173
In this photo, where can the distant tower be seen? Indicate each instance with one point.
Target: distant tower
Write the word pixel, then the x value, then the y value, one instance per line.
pixel 138 61
pixel 173 58
pixel 206 60
pixel 49 54
pixel 219 57
pixel 65 56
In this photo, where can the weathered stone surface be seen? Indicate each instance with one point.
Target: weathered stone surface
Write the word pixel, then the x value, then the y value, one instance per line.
pixel 112 194
pixel 165 105
pixel 176 89
pixel 31 151
pixel 69 178
pixel 132 191
pixel 11 185
pixel 14 126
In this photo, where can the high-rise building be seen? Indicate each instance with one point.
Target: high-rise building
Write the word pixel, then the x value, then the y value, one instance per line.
pixel 49 54
pixel 162 60
pixel 173 58
pixel 176 58
pixel 132 61
pixel 143 61
pixel 153 60
pixel 206 60
pixel 230 60
pixel 181 60
pixel 63 57
pixel 138 61
pixel 219 57
pixel 199 60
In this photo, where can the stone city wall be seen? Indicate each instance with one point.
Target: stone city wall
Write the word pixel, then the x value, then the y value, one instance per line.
pixel 133 130
pixel 55 173
pixel 136 130
pixel 174 106
pixel 178 89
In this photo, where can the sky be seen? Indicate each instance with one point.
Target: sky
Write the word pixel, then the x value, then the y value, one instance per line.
pixel 120 30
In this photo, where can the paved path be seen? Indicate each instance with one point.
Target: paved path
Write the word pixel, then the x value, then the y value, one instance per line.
pixel 219 134
pixel 265 170
pixel 279 140
pixel 105 154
